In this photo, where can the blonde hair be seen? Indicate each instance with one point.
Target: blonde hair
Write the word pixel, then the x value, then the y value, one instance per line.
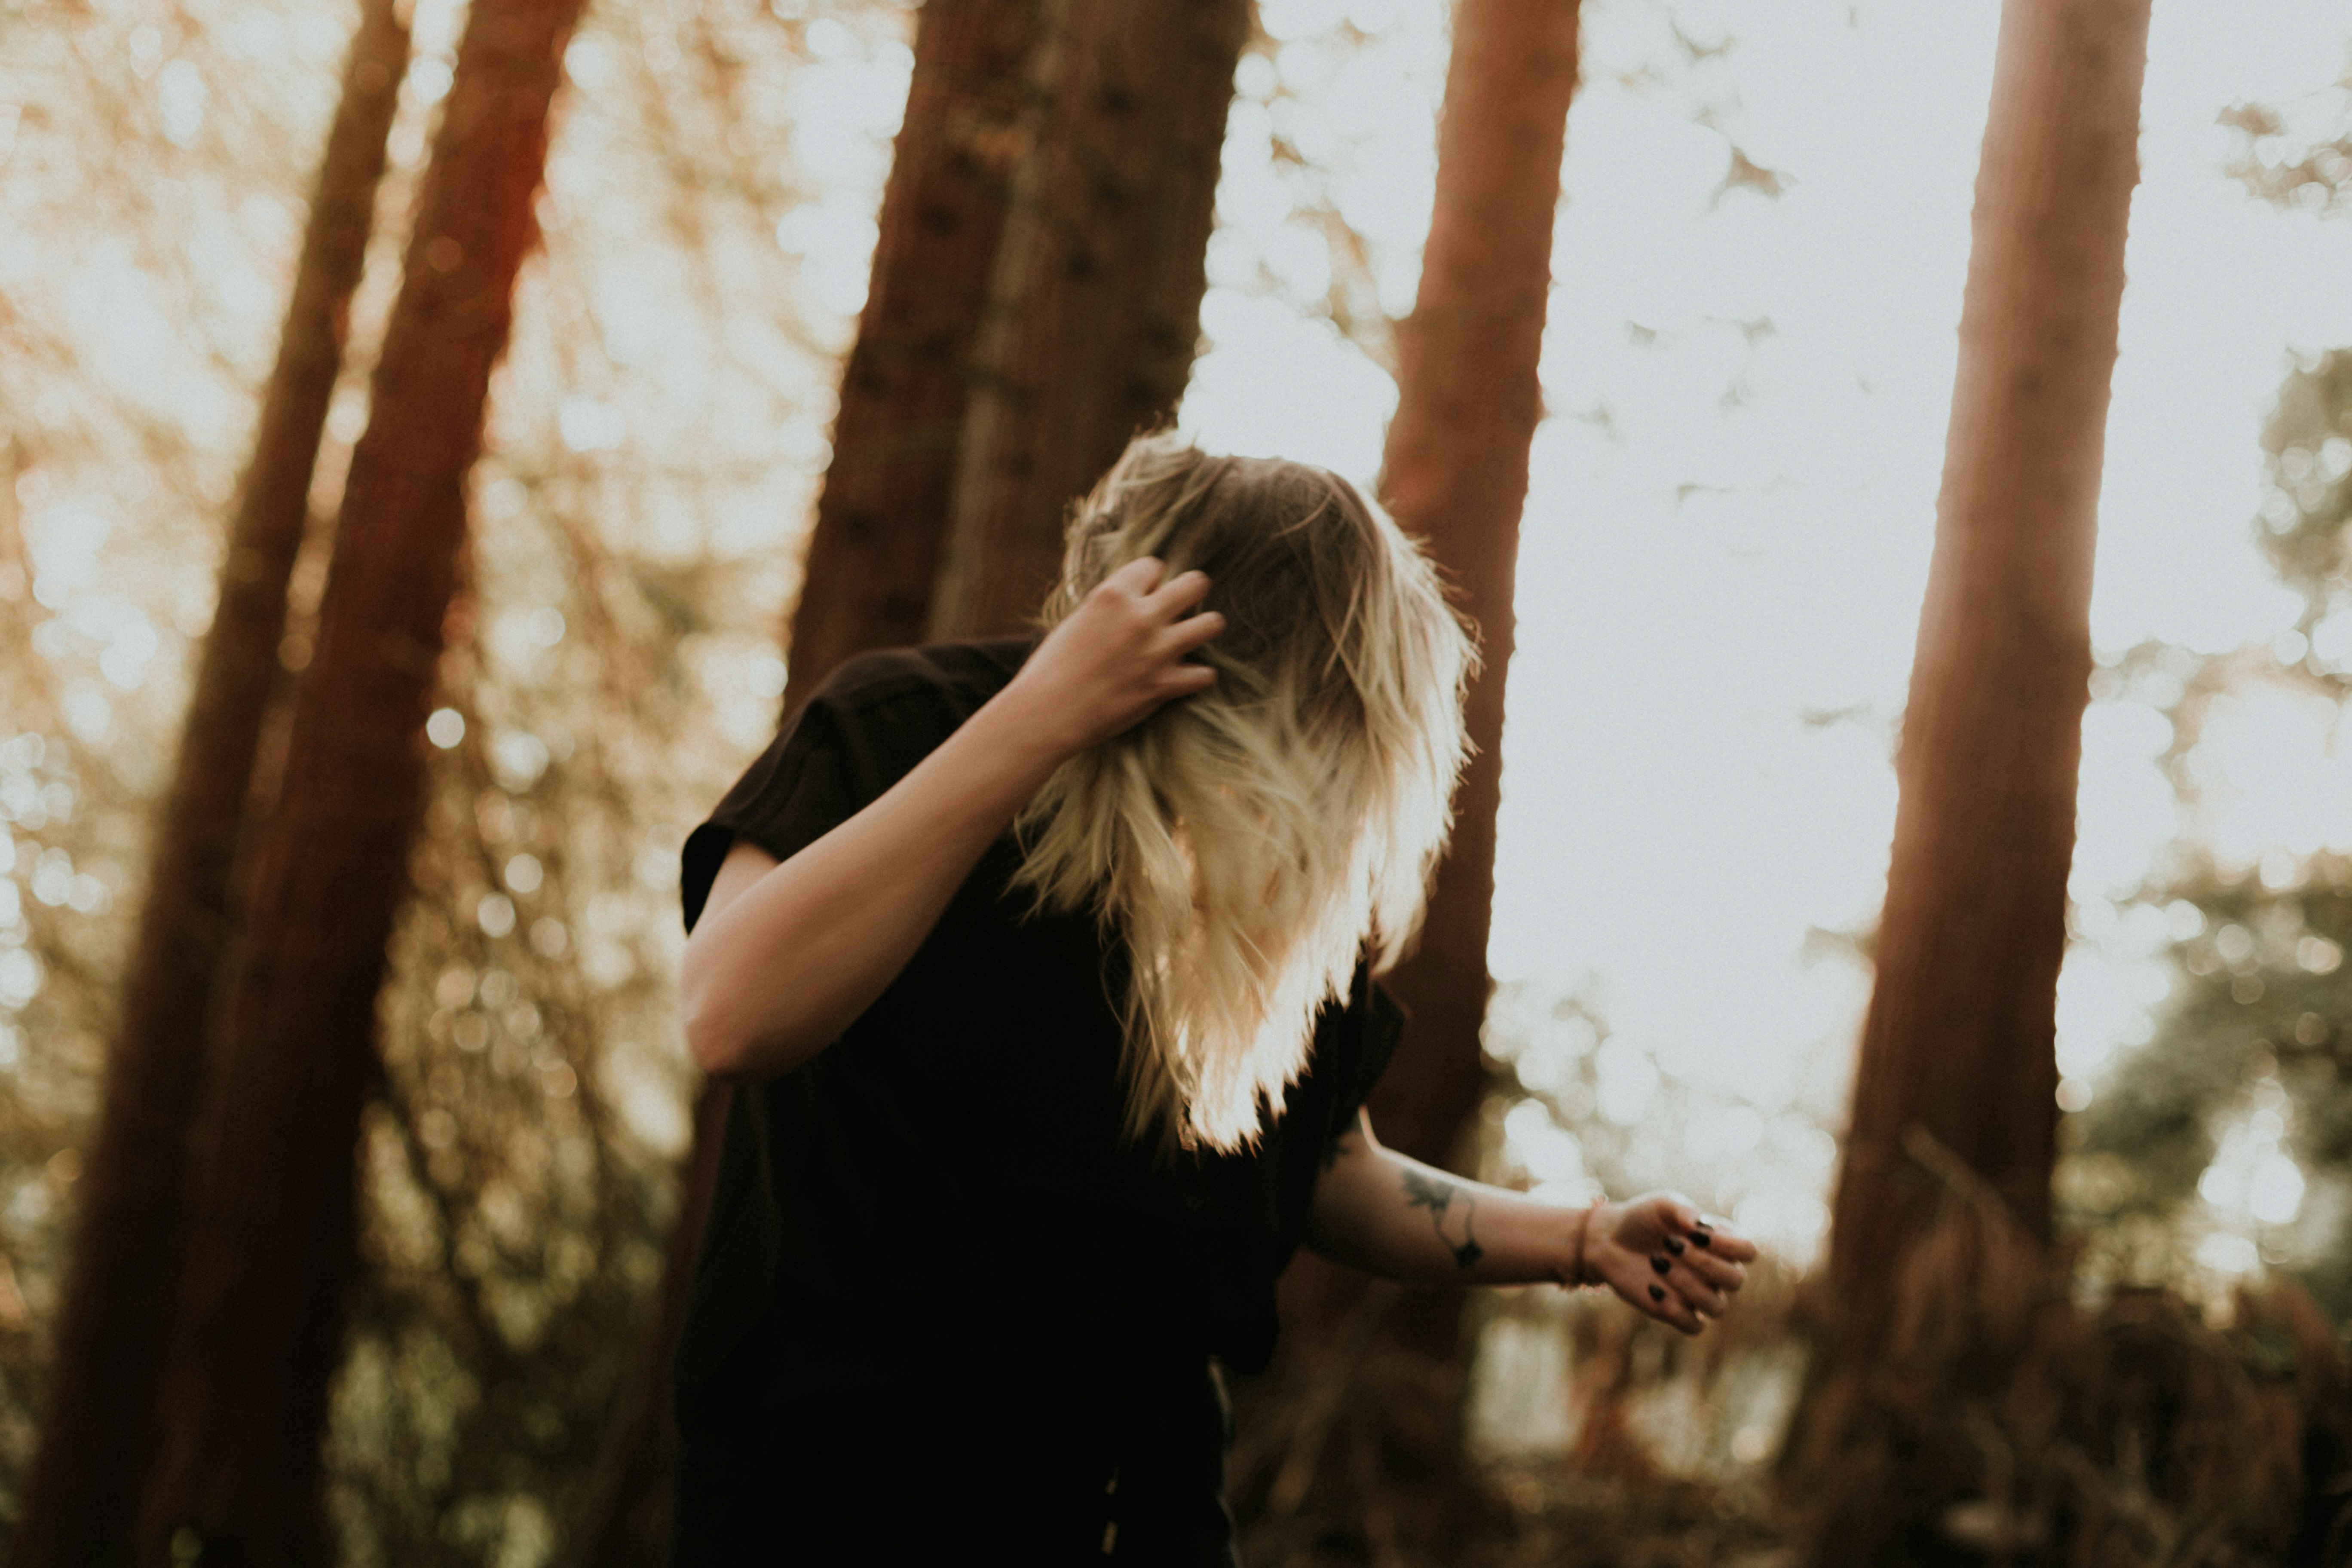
pixel 1249 841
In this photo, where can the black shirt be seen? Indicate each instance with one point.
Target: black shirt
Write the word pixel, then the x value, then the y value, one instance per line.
pixel 945 1189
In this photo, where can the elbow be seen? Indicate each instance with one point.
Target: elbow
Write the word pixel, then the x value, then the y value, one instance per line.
pixel 717 1049
pixel 715 1037
pixel 737 1027
pixel 730 1047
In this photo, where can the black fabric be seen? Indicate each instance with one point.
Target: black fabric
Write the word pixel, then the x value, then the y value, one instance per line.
pixel 1024 1464
pixel 937 1215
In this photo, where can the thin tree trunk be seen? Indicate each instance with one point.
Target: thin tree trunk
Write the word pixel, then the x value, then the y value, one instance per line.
pixel 1959 1038
pixel 882 517
pixel 271 1230
pixel 873 556
pixel 1093 314
pixel 1456 475
pixel 112 1328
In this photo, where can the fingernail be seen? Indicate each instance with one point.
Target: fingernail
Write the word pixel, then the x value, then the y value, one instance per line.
pixel 1657 1293
pixel 1701 1238
pixel 1659 1263
pixel 1674 1244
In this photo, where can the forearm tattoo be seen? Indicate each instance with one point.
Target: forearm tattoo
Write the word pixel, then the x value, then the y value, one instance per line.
pixel 1438 1197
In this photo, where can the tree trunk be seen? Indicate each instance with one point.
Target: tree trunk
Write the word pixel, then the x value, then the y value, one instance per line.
pixel 271 1228
pixel 1959 1038
pixel 1092 312
pixel 882 517
pixel 1456 475
pixel 111 1328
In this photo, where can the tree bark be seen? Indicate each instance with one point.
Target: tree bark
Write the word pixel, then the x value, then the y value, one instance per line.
pixel 271 1226
pixel 1093 313
pixel 1456 475
pixel 882 517
pixel 111 1330
pixel 1959 1033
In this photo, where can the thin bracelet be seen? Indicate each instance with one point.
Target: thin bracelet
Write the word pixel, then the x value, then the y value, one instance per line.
pixel 1580 1274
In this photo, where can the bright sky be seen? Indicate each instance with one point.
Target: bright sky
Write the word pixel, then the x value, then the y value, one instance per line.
pixel 1726 540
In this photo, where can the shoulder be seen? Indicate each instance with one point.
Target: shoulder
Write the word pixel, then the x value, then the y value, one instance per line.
pixel 879 674
pixel 920 687
pixel 875 717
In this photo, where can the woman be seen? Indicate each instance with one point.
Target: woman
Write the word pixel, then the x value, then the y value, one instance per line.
pixel 1044 969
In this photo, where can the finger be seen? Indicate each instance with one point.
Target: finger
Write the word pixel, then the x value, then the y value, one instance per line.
pixel 1727 1245
pixel 1650 1219
pixel 1687 1283
pixel 1180 593
pixel 1717 1270
pixel 1698 1292
pixel 1191 633
pixel 1183 679
pixel 1138 576
pixel 1668 1308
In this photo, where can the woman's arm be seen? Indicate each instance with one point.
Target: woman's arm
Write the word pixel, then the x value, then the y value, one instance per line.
pixel 1376 1210
pixel 785 956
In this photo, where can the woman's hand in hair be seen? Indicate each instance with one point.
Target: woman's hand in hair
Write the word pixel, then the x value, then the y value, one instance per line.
pixel 1115 660
pixel 1661 1254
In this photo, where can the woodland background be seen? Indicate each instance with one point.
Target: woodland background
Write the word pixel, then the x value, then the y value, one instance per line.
pixel 369 648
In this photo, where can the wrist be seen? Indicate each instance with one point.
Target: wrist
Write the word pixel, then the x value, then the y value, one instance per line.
pixel 1581 1271
pixel 1035 722
pixel 1022 739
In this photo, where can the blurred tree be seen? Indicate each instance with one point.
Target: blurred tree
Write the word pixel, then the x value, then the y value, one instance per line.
pixel 653 440
pixel 1092 317
pixel 112 1321
pixel 271 1238
pixel 1958 1036
pixel 881 516
pixel 1455 473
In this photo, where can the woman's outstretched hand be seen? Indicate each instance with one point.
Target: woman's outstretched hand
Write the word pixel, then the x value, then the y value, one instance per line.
pixel 1658 1252
pixel 1113 660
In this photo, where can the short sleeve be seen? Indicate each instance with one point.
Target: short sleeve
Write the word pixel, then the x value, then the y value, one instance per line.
pixel 1373 1024
pixel 798 791
pixel 1271 1186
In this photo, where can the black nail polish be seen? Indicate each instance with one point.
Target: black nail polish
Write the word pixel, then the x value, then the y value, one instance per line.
pixel 1660 1263
pixel 1657 1293
pixel 1674 1244
pixel 1701 1238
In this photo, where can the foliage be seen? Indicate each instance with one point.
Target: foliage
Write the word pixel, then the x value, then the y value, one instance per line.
pixel 1355 1455
pixel 2254 1050
pixel 2009 1422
